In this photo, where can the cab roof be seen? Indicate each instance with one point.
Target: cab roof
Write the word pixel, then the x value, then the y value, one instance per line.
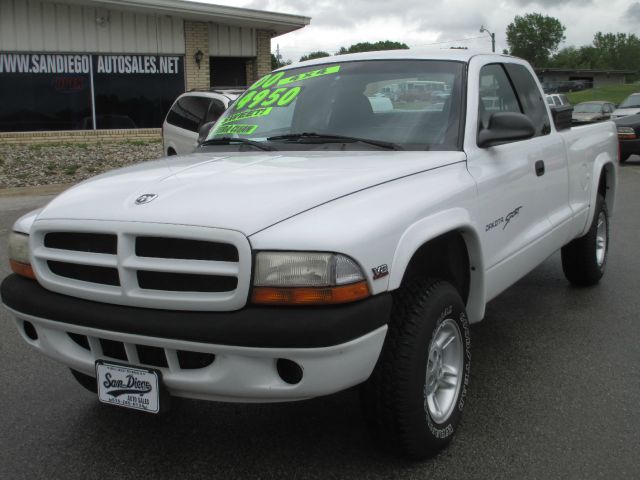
pixel 406 54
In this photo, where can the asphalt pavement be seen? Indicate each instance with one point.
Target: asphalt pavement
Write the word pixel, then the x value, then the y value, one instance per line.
pixel 554 393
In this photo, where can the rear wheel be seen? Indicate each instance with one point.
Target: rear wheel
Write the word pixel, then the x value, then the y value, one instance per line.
pixel 585 258
pixel 414 399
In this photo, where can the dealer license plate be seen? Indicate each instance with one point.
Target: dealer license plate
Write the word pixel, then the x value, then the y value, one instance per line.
pixel 128 386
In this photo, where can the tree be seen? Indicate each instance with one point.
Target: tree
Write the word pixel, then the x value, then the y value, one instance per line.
pixel 575 57
pixel 372 47
pixel 535 37
pixel 614 51
pixel 312 55
pixel 617 50
pixel 277 61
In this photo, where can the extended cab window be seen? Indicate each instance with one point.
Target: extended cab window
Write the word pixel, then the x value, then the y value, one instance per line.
pixel 530 97
pixel 496 94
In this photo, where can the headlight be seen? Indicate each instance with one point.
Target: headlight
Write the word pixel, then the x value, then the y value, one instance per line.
pixel 305 278
pixel 626 133
pixel 19 254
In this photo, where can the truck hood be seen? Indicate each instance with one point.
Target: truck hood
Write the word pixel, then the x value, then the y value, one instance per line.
pixel 238 191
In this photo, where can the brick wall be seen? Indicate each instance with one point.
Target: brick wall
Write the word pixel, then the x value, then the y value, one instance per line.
pixel 263 62
pixel 250 68
pixel 196 37
pixel 80 136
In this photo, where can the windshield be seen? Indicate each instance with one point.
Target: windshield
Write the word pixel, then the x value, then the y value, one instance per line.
pixel 632 101
pixel 413 105
pixel 588 108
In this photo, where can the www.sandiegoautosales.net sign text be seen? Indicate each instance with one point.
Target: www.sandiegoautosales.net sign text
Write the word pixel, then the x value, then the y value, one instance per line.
pixel 81 64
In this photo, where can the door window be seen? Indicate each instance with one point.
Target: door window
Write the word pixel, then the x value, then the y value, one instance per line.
pixel 530 98
pixel 496 94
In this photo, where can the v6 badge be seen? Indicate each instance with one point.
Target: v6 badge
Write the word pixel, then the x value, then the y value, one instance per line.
pixel 379 272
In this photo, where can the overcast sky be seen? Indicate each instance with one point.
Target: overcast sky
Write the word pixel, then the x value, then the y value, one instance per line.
pixel 436 23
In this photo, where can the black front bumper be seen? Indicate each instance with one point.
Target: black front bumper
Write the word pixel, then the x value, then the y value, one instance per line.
pixel 264 327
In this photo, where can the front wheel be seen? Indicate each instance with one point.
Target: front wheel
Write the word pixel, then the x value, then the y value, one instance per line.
pixel 585 258
pixel 414 399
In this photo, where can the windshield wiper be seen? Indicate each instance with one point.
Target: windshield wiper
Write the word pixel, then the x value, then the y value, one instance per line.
pixel 331 138
pixel 231 140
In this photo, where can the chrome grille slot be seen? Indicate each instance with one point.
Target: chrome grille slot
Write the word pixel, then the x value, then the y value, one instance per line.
pixel 82 242
pixel 85 273
pixel 185 249
pixel 148 265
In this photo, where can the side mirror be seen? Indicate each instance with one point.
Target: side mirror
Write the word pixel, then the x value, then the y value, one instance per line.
pixel 505 127
pixel 204 131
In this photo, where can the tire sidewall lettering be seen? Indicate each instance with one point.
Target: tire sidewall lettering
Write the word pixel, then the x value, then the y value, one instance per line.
pixel 447 429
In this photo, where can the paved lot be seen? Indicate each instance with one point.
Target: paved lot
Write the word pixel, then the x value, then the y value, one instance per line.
pixel 555 390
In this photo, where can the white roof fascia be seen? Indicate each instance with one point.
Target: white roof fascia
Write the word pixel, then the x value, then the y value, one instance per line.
pixel 278 23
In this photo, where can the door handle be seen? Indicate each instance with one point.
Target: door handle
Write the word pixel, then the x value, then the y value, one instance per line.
pixel 539 168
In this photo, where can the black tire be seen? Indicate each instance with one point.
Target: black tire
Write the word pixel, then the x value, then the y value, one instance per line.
pixel 87 381
pixel 579 257
pixel 171 152
pixel 395 398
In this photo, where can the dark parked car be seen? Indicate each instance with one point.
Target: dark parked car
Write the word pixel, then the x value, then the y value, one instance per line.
pixel 589 112
pixel 628 136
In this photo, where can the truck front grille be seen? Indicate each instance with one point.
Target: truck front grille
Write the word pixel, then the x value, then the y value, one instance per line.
pixel 82 242
pixel 158 247
pixel 185 282
pixel 85 273
pixel 173 267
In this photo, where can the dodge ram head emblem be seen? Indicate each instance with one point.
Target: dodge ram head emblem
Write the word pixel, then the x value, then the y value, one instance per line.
pixel 146 198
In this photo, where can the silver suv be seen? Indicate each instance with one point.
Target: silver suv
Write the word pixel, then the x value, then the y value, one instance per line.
pixel 189 113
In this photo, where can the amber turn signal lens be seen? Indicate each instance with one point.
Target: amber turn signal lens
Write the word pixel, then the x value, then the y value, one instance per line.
pixel 310 296
pixel 22 269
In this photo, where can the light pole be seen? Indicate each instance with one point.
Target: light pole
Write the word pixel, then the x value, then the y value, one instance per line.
pixel 492 35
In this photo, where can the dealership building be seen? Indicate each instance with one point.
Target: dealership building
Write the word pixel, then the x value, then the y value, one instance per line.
pixel 97 65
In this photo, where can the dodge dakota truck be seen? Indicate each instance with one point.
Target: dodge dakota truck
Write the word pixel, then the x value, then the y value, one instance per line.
pixel 317 242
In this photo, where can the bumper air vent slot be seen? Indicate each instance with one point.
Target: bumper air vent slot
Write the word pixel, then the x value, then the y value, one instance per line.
pixel 113 349
pixel 194 360
pixel 81 340
pixel 153 356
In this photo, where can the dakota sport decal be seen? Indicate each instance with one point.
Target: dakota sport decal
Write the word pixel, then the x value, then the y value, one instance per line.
pixel 504 221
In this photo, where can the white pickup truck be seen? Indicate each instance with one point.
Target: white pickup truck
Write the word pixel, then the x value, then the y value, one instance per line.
pixel 315 242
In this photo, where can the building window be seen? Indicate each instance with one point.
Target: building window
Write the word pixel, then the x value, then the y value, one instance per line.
pixel 44 92
pixel 135 91
pixel 85 92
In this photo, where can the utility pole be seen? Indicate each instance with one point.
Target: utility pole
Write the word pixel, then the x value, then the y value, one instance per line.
pixel 492 35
